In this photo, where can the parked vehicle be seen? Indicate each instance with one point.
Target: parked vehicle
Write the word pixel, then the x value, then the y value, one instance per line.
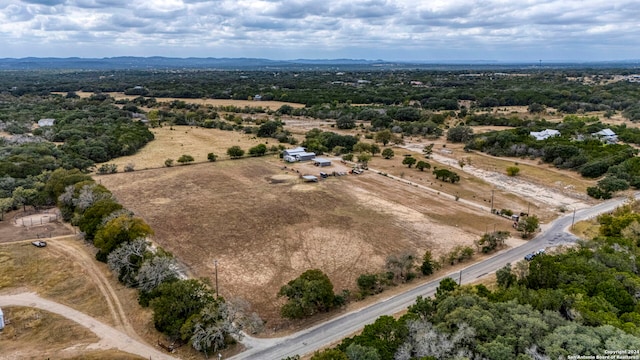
pixel 39 243
pixel 530 257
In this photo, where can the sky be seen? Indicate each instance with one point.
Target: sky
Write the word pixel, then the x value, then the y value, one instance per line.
pixel 392 30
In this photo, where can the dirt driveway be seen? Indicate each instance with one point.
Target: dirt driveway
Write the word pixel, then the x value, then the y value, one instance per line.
pixel 109 336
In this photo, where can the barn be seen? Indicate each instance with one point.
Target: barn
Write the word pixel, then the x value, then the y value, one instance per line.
pixel 297 154
pixel 322 162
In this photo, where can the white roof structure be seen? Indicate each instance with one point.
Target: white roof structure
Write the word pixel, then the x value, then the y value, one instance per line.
pixel 544 134
pixel 46 122
pixel 605 132
pixel 295 151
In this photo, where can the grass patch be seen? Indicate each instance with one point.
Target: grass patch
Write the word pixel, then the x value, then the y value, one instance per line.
pixel 41 334
pixel 51 274
pixel 587 229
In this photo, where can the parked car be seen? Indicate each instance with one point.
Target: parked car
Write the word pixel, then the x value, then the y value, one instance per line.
pixel 530 257
pixel 39 243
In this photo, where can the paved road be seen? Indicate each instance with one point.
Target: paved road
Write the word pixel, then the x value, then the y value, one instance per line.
pixel 109 336
pixel 324 334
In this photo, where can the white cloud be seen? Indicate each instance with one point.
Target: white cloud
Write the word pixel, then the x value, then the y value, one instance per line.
pixel 388 29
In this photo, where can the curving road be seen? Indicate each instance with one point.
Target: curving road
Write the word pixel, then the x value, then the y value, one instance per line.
pixel 109 336
pixel 317 337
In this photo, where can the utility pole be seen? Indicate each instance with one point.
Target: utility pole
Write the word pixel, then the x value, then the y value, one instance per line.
pixel 492 201
pixel 215 262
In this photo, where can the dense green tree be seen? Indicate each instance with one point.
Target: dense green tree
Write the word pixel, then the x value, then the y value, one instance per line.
pixel 24 197
pixel 308 294
pixel 384 136
pixel 93 216
pixel 175 302
pixel 505 277
pixel 329 354
pixel 421 165
pixel 428 264
pixel 460 134
pixel 409 160
pixel 387 153
pixel 258 150
pixel 368 284
pixel 212 157
pixel 235 152
pixel 121 229
pixel 269 128
pixel 6 204
pixel 345 122
pixel 528 225
pixel 185 159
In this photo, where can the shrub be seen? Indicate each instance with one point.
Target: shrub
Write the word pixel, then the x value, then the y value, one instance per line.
pixel 185 159
pixel 513 170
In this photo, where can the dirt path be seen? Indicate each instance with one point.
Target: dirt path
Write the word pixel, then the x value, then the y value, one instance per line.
pixel 110 337
pixel 79 252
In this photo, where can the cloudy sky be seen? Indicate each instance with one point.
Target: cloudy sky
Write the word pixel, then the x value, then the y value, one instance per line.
pixel 425 30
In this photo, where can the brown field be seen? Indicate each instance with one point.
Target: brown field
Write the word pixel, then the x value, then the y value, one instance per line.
pixel 266 233
pixel 266 227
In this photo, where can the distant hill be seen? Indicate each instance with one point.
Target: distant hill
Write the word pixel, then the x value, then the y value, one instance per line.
pixel 159 62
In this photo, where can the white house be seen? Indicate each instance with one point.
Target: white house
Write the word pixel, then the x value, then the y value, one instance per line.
pixel 46 122
pixel 544 134
pixel 606 135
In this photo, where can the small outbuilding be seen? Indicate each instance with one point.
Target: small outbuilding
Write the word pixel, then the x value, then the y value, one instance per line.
pixel 544 134
pixel 322 162
pixel 309 178
pixel 606 135
pixel 46 122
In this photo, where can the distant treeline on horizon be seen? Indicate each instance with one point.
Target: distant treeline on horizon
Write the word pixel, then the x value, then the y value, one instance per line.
pixel 257 64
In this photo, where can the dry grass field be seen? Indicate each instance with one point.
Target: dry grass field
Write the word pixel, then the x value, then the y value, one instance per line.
pixel 52 274
pixel 266 227
pixel 194 141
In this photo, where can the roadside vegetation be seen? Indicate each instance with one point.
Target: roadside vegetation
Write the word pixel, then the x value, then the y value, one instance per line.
pixel 581 300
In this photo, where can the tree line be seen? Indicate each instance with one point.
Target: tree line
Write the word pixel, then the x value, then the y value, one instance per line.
pixel 183 309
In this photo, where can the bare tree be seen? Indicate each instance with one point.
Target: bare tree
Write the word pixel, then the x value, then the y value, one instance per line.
pixel 425 340
pixel 88 196
pixel 127 259
pixel 155 271
pixel 400 265
pixel 217 320
pixel 66 198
